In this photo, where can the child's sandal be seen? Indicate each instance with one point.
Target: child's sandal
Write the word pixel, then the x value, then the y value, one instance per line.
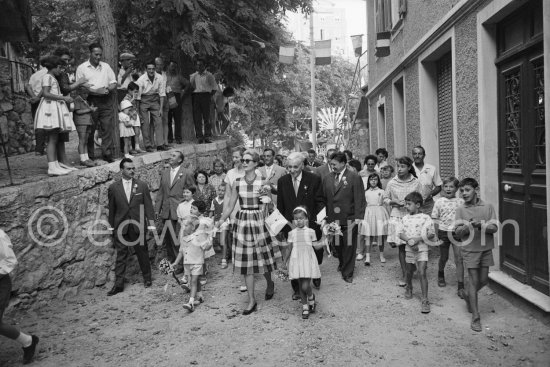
pixel 305 312
pixel 224 264
pixel 312 304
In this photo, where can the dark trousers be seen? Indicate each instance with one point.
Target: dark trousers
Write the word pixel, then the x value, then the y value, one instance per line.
pixel 175 114
pixel 5 292
pixel 39 134
pixel 104 121
pixel 201 115
pixel 123 252
pixel 169 241
pixel 346 246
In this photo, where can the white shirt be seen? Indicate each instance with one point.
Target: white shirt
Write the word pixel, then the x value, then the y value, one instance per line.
pixel 7 257
pixel 203 83
pixel 428 177
pixel 35 81
pixel 98 77
pixel 173 173
pixel 340 175
pixel 123 84
pixel 127 184
pixel 296 180
pixel 148 88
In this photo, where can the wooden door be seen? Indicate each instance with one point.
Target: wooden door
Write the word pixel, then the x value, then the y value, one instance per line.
pixel 522 149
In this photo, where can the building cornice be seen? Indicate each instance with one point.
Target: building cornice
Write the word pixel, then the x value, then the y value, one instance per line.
pixel 459 11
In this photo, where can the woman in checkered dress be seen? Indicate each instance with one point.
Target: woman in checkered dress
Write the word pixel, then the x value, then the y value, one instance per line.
pixel 253 249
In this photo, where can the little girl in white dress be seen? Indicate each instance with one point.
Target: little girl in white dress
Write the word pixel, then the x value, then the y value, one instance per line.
pixel 303 264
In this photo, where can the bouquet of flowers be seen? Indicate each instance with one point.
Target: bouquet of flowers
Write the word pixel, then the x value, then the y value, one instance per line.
pixel 265 194
pixel 166 268
pixel 330 230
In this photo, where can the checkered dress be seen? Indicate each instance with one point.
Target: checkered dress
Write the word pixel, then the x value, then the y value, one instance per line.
pixel 253 250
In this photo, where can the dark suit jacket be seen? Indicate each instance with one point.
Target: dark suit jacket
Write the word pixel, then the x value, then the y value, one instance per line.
pixel 323 170
pixel 120 209
pixel 169 196
pixel 347 200
pixel 310 195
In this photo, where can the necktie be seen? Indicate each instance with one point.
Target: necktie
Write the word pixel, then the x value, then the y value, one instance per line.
pixel 336 178
pixel 296 185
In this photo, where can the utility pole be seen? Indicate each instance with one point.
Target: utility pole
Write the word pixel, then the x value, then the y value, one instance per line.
pixel 312 70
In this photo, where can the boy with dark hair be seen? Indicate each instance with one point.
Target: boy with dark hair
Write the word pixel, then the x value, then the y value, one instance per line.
pixel 475 226
pixel 415 229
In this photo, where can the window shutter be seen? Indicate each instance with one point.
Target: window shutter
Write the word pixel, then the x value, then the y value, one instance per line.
pixel 379 15
pixel 387 15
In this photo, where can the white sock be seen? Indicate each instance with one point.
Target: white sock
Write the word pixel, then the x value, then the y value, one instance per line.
pixel 87 157
pixel 191 300
pixel 24 339
pixel 52 165
pixel 84 157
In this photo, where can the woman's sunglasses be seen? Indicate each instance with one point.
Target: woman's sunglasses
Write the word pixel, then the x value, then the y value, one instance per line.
pixel 247 161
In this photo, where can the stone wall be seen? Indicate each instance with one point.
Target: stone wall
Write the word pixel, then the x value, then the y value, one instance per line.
pixel 67 209
pixel 15 115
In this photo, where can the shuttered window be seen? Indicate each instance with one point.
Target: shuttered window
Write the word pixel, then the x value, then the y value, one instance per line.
pixel 445 115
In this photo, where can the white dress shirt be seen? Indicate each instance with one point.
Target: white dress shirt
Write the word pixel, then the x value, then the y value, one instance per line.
pixel 127 184
pixel 203 83
pixel 148 88
pixel 173 173
pixel 98 77
pixel 296 183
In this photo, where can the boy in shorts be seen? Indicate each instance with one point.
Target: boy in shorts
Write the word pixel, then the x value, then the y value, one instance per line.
pixel 475 226
pixel 82 118
pixel 416 229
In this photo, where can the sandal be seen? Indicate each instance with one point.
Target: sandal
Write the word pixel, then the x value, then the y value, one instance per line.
pixel 312 304
pixel 305 312
pixel 476 324
pixel 224 264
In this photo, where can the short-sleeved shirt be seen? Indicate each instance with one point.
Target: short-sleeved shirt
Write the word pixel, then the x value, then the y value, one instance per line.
pixel 416 225
pixel 148 88
pixel 217 208
pixel 216 180
pixel 184 209
pixel 302 236
pixel 444 212
pixel 7 257
pixel 98 77
pixel 481 211
pixel 203 83
pixel 192 247
pixel 429 178
pixel 374 197
pixel 177 83
pixel 123 84
pixel 35 81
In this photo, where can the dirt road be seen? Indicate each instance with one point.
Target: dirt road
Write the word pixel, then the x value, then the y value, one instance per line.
pixel 368 322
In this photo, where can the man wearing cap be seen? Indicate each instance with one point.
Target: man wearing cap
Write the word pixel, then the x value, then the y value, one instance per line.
pixel 124 74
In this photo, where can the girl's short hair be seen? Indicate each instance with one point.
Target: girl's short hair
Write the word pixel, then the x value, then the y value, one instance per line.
pixel 193 189
pixel 201 172
pixel 218 161
pixel 51 62
pixel 379 184
pixel 300 209
pixel 450 179
pixel 200 205
pixel 253 153
pixel 193 219
pixel 415 197
pixel 388 166
pixel 408 162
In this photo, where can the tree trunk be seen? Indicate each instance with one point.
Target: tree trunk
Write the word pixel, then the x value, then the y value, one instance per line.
pixel 109 41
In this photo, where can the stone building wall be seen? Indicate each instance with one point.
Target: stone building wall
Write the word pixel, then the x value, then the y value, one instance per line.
pixel 67 210
pixel 15 109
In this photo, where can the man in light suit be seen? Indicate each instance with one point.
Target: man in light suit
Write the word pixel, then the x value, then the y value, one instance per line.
pixel 271 172
pixel 300 187
pixel 130 212
pixel 346 205
pixel 325 169
pixel 170 194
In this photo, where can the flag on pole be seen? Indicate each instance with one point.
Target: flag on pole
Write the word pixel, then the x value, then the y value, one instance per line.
pixel 286 54
pixel 382 44
pixel 322 52
pixel 357 42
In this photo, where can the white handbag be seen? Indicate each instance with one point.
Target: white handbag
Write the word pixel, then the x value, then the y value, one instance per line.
pixel 275 222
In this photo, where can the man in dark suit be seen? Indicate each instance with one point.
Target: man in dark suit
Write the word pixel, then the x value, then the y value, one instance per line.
pixel 300 187
pixel 312 158
pixel 345 195
pixel 130 210
pixel 325 169
pixel 169 196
